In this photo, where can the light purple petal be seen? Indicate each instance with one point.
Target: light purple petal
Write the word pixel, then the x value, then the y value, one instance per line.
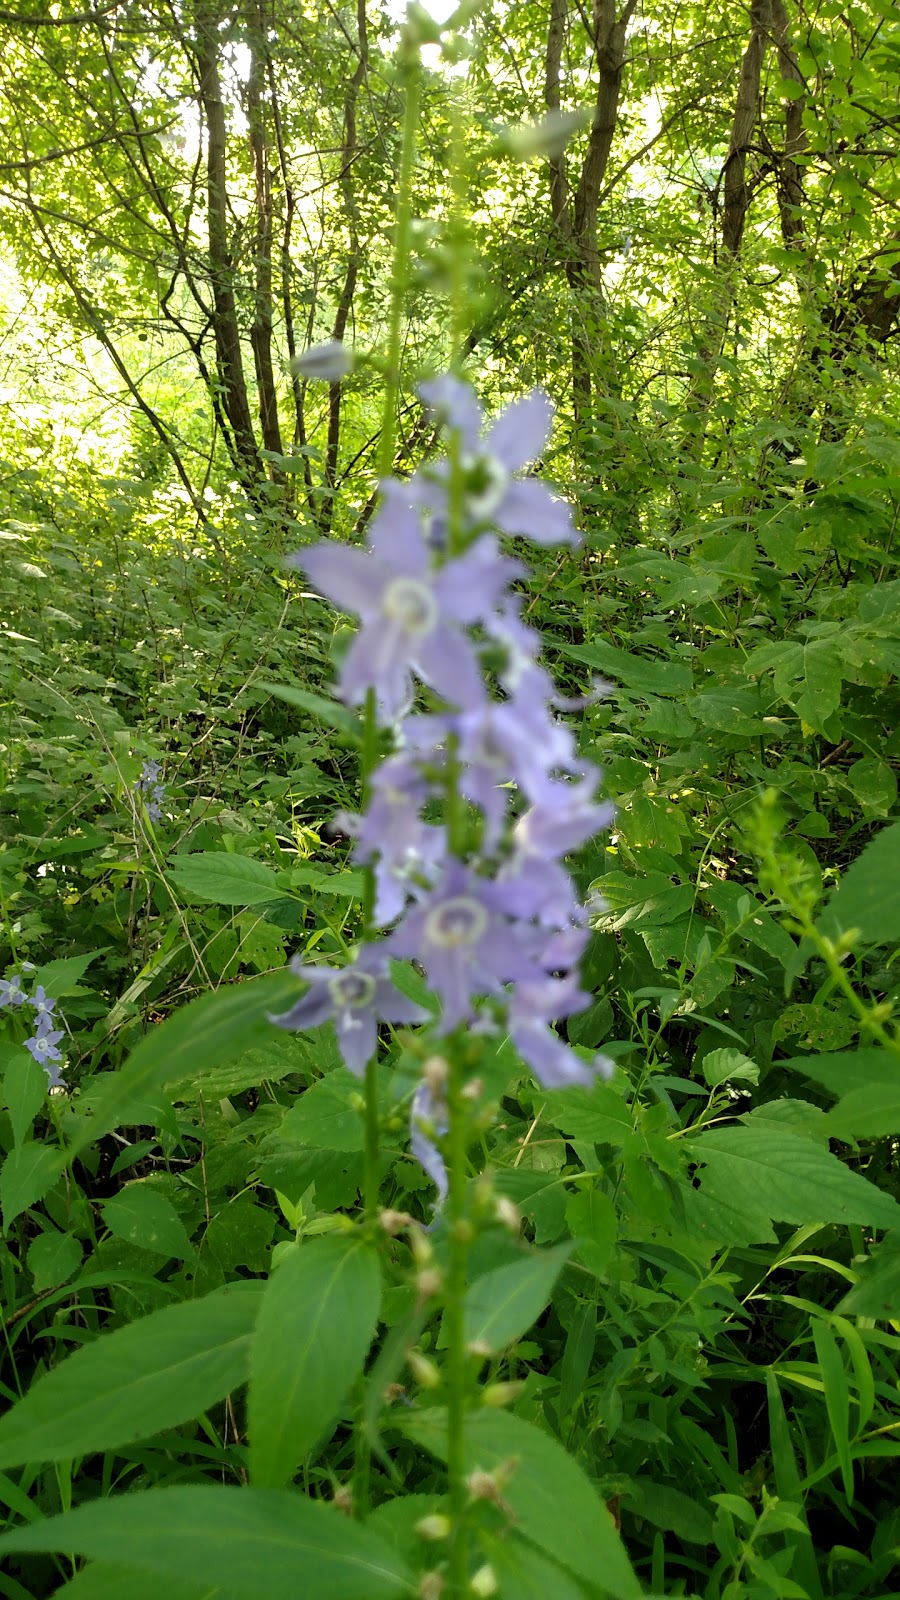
pixel 453 402
pixel 357 1037
pixel 553 1063
pixel 378 659
pixel 528 508
pixel 311 1011
pixel 426 1110
pixel 349 577
pixel 520 434
pixel 446 660
pixel 470 587
pixel 396 537
pixel 392 1006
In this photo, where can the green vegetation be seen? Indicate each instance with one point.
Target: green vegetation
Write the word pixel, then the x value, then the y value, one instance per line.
pixel 221 1307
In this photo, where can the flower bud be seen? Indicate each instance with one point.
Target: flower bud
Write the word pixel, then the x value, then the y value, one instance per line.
pixel 436 1071
pixel 431 1586
pixel 484 1583
pixel 507 1213
pixel 434 1527
pixel 329 362
pixel 343 1499
pixel 429 1282
pixel 394 1222
pixel 424 1370
pixel 500 1394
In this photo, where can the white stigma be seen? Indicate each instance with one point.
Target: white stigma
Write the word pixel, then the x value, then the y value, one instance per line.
pixel 460 921
pixel 411 604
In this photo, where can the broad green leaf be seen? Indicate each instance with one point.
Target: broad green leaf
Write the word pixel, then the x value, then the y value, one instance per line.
pixel 870 1112
pixel 875 785
pixel 24 1092
pixel 820 683
pixel 249 1542
pixel 868 896
pixel 225 879
pixel 99 1581
pixel 318 1319
pixel 26 1176
pixel 877 1292
pixel 846 1071
pixel 635 672
pixel 594 1224
pixel 524 1574
pixel 61 977
pixel 196 1037
pixel 328 1115
pixel 552 1500
pixel 52 1258
pixel 598 1114
pixel 791 1177
pixel 329 712
pixel 727 1066
pixel 140 1214
pixel 502 1305
pixel 131 1383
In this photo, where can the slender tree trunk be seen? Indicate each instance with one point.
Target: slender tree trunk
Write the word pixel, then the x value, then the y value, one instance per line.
pixel 229 359
pixel 737 192
pixel 261 329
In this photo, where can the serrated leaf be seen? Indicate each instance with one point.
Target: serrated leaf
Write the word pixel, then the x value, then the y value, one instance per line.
pixel 52 1258
pixel 131 1383
pixel 791 1178
pixel 26 1176
pixel 24 1092
pixel 868 896
pixel 502 1305
pixel 325 1115
pixel 140 1214
pixel 229 1538
pixel 225 879
pixel 598 1114
pixel 318 1319
pixel 727 1066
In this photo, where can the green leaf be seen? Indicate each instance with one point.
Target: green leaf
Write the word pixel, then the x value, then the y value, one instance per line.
pixel 727 1066
pixel 524 1574
pixel 848 1069
pixel 598 1114
pixel 635 672
pixel 329 712
pixel 52 1258
pixel 820 680
pixel 594 1224
pixel 327 1115
pixel 140 1214
pixel 131 1383
pixel 198 1036
pixel 62 976
pixel 552 1501
pixel 225 879
pixel 318 1319
pixel 868 896
pixel 788 1176
pixel 24 1091
pixel 26 1176
pixel 837 1397
pixel 877 1292
pixel 246 1541
pixel 502 1305
pixel 99 1581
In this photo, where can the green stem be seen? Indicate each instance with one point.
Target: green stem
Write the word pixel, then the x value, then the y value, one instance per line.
pixel 454 1315
pixel 410 79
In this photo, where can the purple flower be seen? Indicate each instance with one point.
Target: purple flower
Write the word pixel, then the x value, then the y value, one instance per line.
pixel 43 1005
pixel 566 817
pixel 427 1119
pixel 355 998
pixel 407 851
pixel 43 1047
pixel 11 991
pixel 493 494
pixel 532 1008
pixel 412 615
pixel 467 947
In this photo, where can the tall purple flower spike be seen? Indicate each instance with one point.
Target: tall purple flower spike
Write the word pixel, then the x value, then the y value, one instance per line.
pixel 355 998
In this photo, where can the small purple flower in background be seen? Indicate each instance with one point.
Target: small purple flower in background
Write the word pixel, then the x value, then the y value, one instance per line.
pixel 355 998
pixel 427 1121
pixel 11 991
pixel 151 790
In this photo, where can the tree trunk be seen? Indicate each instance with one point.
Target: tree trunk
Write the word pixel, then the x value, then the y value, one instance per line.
pixel 261 329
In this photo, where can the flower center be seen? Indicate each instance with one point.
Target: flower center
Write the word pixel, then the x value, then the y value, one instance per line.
pixel 410 603
pixel 486 482
pixel 462 920
pixel 352 990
